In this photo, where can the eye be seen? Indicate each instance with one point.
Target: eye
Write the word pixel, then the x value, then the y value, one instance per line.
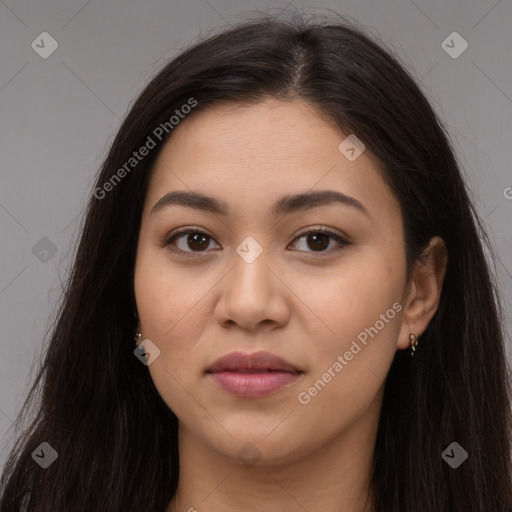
pixel 190 238
pixel 189 241
pixel 318 239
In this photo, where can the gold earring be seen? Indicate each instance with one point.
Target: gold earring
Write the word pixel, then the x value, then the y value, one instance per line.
pixel 414 343
pixel 137 338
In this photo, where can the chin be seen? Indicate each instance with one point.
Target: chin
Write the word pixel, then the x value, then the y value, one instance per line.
pixel 259 446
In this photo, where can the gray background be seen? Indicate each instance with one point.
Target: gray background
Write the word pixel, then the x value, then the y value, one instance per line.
pixel 59 115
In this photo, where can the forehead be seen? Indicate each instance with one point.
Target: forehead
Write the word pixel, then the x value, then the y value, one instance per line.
pixel 251 154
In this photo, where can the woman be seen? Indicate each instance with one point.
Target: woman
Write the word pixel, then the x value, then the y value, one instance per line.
pixel 280 299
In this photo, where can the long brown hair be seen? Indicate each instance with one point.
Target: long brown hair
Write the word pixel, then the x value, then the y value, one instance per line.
pixel 96 405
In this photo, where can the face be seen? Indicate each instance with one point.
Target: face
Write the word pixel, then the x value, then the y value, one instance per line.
pixel 317 281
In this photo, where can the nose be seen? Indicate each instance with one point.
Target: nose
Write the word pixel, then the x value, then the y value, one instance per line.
pixel 253 295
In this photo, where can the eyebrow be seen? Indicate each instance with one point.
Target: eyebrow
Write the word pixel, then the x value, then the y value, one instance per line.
pixel 285 205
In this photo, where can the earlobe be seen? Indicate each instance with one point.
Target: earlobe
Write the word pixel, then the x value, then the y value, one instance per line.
pixel 424 291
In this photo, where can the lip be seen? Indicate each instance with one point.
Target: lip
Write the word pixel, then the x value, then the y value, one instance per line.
pixel 252 375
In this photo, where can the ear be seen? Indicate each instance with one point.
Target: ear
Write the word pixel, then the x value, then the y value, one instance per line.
pixel 424 291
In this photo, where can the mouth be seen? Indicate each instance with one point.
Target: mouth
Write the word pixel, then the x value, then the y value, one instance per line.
pixel 253 375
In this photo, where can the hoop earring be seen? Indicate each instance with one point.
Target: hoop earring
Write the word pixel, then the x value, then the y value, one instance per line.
pixel 137 338
pixel 414 342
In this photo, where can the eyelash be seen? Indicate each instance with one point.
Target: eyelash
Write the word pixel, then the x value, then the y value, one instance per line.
pixel 321 230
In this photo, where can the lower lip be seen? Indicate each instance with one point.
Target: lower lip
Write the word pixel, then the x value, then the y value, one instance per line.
pixel 253 385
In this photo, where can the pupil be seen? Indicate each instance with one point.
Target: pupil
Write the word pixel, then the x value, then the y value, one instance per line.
pixel 318 244
pixel 195 239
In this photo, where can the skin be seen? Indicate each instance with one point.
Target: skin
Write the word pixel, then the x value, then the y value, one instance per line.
pixel 303 304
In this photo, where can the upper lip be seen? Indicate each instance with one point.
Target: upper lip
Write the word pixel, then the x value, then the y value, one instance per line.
pixel 251 361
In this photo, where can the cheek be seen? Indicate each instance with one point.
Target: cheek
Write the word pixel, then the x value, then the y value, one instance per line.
pixel 355 295
pixel 168 296
pixel 171 306
pixel 360 332
pixel 349 371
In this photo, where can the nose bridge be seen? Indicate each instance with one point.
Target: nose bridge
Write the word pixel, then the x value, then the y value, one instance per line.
pixel 251 274
pixel 252 293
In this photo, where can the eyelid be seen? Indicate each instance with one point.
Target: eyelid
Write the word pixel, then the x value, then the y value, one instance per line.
pixel 341 238
pixel 183 231
pixel 322 229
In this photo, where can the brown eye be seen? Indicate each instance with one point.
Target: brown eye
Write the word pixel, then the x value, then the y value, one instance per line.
pixel 189 241
pixel 318 240
pixel 197 241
